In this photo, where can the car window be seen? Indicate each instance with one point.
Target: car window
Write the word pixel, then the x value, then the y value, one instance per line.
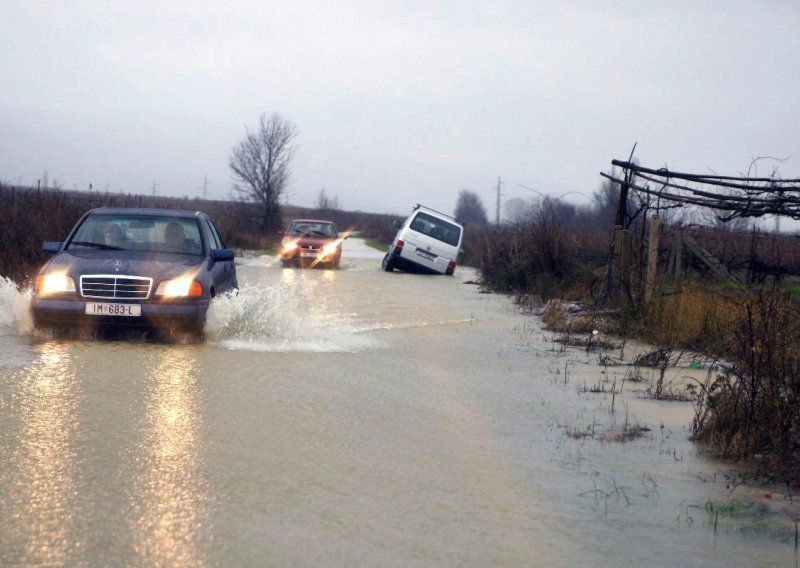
pixel 215 238
pixel 298 229
pixel 312 230
pixel 137 232
pixel 437 228
pixel 323 230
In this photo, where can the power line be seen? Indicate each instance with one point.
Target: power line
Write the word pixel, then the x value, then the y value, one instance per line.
pixel 499 185
pixel 205 187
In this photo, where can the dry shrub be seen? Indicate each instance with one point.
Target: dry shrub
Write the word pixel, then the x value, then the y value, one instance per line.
pixel 32 216
pixel 567 317
pixel 543 257
pixel 753 409
pixel 554 315
pixel 695 316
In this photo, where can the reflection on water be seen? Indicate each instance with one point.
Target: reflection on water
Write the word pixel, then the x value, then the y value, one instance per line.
pixel 288 276
pixel 170 493
pixel 38 479
pixel 449 446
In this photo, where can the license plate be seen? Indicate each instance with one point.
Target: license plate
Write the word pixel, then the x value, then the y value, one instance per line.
pixel 425 254
pixel 104 309
pixel 308 254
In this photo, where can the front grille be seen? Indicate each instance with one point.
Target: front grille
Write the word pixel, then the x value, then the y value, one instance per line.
pixel 310 247
pixel 115 287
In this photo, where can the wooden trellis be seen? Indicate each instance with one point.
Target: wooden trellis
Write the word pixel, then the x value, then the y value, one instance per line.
pixel 730 197
pixel 737 196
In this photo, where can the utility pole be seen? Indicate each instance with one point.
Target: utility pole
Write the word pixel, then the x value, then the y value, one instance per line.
pixel 499 184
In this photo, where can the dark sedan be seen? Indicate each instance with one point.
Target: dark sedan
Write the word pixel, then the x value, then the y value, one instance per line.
pixel 153 268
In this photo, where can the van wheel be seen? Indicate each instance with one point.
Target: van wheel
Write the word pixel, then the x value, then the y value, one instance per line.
pixel 388 263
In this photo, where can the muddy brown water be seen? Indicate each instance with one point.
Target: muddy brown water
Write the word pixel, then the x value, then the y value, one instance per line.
pixel 355 417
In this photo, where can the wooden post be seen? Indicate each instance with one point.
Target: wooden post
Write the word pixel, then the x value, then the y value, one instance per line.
pixel 652 258
pixel 621 265
pixel 752 272
pixel 678 274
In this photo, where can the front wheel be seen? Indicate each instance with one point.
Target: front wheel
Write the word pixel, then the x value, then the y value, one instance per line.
pixel 388 263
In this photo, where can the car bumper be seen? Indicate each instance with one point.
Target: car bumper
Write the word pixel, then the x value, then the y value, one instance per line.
pixel 318 259
pixel 412 262
pixel 72 313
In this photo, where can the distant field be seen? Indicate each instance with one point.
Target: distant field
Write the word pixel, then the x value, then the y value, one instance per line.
pixel 31 216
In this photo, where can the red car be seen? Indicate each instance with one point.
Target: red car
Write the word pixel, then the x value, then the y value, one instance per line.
pixel 311 242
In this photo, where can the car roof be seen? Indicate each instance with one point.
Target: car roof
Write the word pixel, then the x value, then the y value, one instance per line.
pixel 435 213
pixel 149 212
pixel 311 221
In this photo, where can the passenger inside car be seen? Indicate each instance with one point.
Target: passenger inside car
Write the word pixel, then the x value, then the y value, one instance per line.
pixel 323 230
pixel 174 237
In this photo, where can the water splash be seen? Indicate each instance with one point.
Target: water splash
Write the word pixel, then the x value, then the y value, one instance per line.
pixel 261 260
pixel 15 315
pixel 283 318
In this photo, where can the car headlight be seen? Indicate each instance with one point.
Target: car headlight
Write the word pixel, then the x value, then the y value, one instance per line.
pixel 185 287
pixel 330 249
pixel 290 246
pixel 54 283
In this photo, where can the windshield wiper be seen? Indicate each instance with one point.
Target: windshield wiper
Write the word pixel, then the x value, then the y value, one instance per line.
pixel 100 246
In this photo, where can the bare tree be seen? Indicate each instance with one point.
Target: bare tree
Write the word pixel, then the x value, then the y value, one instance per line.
pixel 605 201
pixel 260 164
pixel 517 209
pixel 470 209
pixel 325 203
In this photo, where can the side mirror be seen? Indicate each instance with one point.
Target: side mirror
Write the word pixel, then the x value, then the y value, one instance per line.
pixel 222 254
pixel 397 224
pixel 460 251
pixel 51 247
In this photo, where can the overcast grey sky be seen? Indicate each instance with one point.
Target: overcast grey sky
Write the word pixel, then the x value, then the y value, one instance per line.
pixel 397 102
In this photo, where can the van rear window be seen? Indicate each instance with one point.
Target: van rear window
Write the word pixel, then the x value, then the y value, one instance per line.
pixel 439 229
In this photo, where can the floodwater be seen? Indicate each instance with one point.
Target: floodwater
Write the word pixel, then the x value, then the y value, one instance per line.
pixel 354 417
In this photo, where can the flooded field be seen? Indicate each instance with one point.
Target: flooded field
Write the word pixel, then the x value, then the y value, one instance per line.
pixel 355 417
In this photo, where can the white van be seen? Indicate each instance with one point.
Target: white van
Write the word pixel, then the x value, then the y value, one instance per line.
pixel 428 241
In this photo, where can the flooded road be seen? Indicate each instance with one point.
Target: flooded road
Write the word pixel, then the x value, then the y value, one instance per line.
pixel 355 417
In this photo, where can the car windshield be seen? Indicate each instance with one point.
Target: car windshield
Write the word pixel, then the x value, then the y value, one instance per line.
pixel 135 232
pixel 311 229
pixel 437 228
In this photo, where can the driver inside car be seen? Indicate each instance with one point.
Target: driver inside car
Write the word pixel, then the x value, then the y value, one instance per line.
pixel 113 236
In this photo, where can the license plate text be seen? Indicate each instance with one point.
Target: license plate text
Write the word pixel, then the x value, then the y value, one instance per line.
pixel 104 309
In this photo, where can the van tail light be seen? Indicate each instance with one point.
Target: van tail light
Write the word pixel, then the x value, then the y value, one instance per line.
pixel 398 246
pixel 451 267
